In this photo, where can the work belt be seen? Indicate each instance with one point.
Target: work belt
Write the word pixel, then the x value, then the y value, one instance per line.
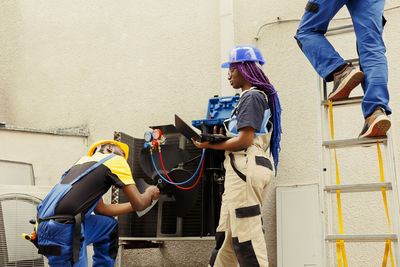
pixel 65 219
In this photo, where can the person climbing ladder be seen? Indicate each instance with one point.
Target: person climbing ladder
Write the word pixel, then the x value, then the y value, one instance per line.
pixel 368 21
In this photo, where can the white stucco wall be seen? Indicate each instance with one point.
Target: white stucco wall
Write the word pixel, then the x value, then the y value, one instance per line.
pixel 112 66
pixel 109 65
pixel 127 65
pixel 296 82
pixel 50 155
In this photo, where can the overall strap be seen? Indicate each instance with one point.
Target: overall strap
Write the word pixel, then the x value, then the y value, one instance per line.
pixel 76 241
pixel 94 166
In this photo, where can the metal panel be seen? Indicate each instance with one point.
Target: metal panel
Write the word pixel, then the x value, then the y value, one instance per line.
pixel 16 173
pixel 299 231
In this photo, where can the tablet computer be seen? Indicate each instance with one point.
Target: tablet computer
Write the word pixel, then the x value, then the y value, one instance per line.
pixel 189 133
pixel 214 138
pixel 185 129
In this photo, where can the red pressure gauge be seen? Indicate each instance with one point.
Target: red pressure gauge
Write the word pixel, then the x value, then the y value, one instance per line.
pixel 156 134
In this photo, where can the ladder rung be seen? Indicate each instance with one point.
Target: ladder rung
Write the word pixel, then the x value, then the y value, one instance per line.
pixel 348 101
pixel 340 29
pixel 354 142
pixel 358 187
pixel 362 238
pixel 354 60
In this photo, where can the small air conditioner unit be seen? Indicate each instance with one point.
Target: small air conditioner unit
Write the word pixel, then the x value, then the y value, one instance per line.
pixel 17 207
pixel 178 213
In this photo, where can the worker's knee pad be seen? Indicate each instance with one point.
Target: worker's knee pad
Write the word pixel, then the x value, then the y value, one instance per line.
pixel 247 236
pixel 219 239
pixel 245 253
pixel 298 41
pixel 312 7
pixel 113 249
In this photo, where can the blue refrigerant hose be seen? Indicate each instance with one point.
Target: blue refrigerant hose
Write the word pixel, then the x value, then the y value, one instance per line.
pixel 165 179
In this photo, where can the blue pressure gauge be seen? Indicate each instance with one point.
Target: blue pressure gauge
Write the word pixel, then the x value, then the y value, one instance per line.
pixel 148 137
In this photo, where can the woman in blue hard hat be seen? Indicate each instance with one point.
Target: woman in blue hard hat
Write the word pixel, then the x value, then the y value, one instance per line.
pixel 255 127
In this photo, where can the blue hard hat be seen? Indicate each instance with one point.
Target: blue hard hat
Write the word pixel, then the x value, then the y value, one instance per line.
pixel 242 53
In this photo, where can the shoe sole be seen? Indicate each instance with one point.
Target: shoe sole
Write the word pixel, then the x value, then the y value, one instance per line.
pixel 378 128
pixel 349 83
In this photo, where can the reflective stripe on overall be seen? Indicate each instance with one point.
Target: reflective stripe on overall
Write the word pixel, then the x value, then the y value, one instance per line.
pixel 60 236
pixel 240 236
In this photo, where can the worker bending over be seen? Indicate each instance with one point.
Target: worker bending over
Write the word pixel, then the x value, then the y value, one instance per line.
pixel 65 223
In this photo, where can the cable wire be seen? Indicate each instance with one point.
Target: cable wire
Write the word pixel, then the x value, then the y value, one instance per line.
pixel 185 188
pixel 169 180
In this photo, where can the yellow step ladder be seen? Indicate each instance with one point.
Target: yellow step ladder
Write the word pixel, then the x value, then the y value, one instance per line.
pixel 332 191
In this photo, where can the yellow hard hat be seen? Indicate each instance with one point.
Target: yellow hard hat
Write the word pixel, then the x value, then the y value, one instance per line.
pixel 123 146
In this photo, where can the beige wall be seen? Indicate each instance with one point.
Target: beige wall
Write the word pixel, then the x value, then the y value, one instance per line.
pixel 109 65
pixel 296 82
pixel 112 66
pixel 50 155
pixel 126 65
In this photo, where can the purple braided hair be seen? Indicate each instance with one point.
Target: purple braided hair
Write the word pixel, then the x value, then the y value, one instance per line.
pixel 253 74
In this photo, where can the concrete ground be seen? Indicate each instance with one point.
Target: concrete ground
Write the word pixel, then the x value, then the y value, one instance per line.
pixel 173 253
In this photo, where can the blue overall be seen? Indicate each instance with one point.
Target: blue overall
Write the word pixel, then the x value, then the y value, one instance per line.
pixel 367 16
pixel 64 243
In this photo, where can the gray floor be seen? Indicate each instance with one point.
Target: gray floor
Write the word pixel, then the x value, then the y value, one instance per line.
pixel 173 253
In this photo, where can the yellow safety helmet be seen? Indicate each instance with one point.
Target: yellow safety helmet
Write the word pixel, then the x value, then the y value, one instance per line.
pixel 123 146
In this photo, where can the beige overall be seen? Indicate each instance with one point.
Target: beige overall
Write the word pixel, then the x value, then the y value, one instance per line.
pixel 240 236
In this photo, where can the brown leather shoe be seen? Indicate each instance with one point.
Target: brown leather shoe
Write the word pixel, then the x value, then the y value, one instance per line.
pixel 376 124
pixel 344 81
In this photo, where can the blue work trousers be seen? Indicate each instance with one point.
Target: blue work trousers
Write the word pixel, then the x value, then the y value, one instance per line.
pixel 367 17
pixel 101 231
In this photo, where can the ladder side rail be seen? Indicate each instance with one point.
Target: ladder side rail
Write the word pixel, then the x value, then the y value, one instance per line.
pixel 325 176
pixel 322 174
pixel 326 158
pixel 331 202
pixel 394 194
pixel 331 199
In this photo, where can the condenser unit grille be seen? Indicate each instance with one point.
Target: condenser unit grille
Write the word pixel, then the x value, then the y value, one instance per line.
pixel 130 225
pixel 15 212
pixel 169 218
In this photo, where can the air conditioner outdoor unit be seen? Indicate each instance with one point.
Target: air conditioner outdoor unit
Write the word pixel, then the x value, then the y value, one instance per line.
pixel 178 213
pixel 17 207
